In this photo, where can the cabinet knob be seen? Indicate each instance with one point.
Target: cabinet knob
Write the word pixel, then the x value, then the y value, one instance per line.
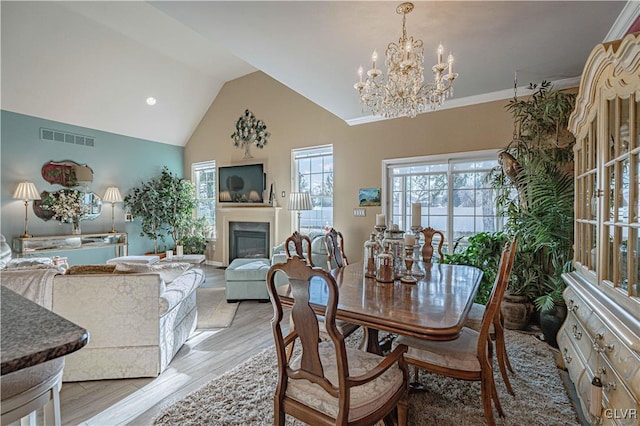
pixel 571 306
pixel 609 387
pixel 566 356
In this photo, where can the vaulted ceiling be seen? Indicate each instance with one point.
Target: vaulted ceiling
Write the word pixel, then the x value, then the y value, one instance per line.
pixel 94 64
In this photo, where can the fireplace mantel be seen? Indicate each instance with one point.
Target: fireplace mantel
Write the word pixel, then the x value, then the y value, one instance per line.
pixel 224 215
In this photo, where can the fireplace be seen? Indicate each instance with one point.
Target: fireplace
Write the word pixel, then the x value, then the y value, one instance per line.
pixel 248 240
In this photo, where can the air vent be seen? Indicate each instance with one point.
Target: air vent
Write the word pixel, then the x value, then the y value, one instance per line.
pixel 58 136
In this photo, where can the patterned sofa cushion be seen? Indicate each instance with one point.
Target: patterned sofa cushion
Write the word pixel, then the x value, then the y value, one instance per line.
pixel 167 271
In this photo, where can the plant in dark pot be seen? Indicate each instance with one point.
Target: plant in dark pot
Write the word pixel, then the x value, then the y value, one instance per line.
pixel 535 193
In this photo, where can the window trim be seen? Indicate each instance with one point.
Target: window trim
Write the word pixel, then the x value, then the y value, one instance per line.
pixel 200 165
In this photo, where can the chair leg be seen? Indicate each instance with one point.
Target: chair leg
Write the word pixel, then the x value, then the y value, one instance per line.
pixel 501 353
pixel 494 396
pixel 403 409
pixel 278 414
pixel 506 357
pixel 485 390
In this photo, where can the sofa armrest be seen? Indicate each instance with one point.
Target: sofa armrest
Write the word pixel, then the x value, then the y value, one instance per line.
pixel 180 288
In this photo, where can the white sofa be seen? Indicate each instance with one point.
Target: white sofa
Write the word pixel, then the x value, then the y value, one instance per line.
pixel 318 251
pixel 136 322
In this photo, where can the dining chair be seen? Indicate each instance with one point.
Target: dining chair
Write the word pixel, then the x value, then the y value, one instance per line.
pixel 474 321
pixel 427 248
pixel 329 383
pixel 299 241
pixel 26 391
pixel 334 244
pixel 470 356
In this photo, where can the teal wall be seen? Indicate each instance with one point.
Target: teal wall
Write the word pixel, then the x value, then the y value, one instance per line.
pixel 116 160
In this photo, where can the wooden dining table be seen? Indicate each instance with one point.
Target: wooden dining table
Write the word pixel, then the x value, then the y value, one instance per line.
pixel 434 308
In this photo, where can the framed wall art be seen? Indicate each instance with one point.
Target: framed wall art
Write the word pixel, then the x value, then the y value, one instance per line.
pixel 368 197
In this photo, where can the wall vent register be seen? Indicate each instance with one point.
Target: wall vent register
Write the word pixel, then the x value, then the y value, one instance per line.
pixel 59 136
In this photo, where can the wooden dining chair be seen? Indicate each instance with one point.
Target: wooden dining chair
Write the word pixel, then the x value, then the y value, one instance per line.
pixel 427 248
pixel 334 244
pixel 496 332
pixel 299 241
pixel 329 383
pixel 470 356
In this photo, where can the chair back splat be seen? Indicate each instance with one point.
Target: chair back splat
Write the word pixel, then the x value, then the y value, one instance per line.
pixel 334 244
pixel 375 389
pixel 299 242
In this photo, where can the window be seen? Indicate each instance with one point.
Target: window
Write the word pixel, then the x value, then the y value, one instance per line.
pixel 313 173
pixel 203 176
pixel 452 190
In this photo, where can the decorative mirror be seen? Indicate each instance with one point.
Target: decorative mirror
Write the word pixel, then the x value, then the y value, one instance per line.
pixel 67 173
pixel 91 205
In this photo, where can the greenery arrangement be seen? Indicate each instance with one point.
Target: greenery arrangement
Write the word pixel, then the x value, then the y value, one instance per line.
pixel 65 205
pixel 165 205
pixel 483 252
pixel 535 192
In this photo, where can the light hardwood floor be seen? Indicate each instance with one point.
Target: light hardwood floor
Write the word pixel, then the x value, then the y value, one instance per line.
pixel 205 356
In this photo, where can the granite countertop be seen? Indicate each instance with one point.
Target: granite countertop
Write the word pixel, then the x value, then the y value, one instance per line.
pixel 31 334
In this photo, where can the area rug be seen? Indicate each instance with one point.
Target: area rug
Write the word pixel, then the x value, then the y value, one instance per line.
pixel 213 309
pixel 244 395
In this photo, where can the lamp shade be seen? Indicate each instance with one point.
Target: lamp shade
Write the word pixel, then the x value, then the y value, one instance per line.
pixel 26 191
pixel 112 195
pixel 299 201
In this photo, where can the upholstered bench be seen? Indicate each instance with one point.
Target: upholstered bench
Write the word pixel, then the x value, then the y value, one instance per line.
pixel 247 279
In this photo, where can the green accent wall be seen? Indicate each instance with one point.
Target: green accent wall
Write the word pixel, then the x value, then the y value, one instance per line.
pixel 116 160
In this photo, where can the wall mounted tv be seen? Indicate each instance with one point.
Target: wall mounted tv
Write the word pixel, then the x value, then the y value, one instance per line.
pixel 242 183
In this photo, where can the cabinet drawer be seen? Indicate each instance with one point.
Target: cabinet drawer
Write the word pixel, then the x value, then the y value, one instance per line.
pixel 572 359
pixel 620 404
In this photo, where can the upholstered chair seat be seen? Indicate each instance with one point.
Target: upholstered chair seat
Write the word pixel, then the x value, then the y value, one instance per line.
pixel 364 399
pixel 459 354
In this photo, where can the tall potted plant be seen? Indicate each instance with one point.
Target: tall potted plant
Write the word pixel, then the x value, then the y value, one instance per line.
pixel 536 193
pixel 165 204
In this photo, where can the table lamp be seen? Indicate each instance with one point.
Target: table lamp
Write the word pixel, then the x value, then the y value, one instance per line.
pixel 26 191
pixel 299 201
pixel 112 196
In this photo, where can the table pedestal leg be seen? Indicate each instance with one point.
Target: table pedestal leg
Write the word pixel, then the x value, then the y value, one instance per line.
pixel 370 342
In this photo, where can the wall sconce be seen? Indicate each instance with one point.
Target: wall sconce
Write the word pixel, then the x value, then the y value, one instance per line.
pixel 26 191
pixel 113 196
pixel 299 201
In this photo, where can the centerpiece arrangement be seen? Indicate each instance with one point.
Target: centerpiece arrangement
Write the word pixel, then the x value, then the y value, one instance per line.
pixel 66 206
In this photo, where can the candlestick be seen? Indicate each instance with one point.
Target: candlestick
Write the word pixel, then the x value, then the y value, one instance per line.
pixel 408 261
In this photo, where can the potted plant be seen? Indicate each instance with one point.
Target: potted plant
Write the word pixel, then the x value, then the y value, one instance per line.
pixel 482 251
pixel 535 193
pixel 165 204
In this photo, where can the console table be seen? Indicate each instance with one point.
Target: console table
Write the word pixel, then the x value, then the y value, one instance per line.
pixel 38 245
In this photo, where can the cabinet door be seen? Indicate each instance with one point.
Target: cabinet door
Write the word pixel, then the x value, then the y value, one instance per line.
pixel 619 206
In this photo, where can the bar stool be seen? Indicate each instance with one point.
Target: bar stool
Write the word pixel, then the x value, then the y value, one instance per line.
pixel 27 390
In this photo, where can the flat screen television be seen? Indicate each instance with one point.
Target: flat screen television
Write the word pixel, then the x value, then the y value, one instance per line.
pixel 242 183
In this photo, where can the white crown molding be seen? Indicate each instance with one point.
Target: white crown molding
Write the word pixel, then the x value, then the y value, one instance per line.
pixel 627 16
pixel 474 100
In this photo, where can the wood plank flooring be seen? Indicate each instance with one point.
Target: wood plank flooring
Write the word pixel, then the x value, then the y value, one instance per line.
pixel 205 356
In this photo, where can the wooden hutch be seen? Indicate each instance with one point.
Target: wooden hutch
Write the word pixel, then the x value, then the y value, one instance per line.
pixel 601 335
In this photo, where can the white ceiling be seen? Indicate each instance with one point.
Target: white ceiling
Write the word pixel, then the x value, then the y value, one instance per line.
pixel 93 64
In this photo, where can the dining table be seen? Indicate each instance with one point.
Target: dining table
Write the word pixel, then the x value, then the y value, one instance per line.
pixel 31 334
pixel 433 308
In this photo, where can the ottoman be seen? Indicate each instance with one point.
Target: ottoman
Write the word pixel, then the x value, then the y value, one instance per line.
pixel 247 280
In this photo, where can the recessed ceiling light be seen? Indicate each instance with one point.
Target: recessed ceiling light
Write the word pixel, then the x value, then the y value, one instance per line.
pixel 151 101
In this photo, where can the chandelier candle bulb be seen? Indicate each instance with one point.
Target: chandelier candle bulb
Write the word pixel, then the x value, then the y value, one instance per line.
pixel 450 60
pixel 416 213
pixel 440 50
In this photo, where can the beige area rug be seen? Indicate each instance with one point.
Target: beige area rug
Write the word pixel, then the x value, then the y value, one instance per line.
pixel 213 309
pixel 244 395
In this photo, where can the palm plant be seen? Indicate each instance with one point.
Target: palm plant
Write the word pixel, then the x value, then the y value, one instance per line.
pixel 536 193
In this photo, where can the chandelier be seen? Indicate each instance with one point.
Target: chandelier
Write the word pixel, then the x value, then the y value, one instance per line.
pixel 405 93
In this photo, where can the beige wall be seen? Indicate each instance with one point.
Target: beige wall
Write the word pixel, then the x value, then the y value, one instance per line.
pixel 296 122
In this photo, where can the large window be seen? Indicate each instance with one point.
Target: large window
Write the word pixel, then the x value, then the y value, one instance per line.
pixel 203 176
pixel 313 173
pixel 453 191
